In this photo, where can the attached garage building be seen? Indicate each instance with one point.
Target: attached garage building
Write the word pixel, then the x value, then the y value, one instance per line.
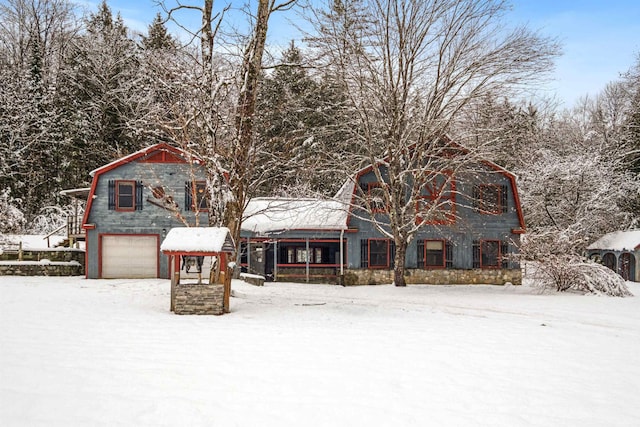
pixel 132 204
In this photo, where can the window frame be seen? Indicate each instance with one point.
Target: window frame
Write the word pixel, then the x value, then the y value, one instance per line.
pixel 375 209
pixel 128 183
pixel 193 198
pixel 444 254
pixel 498 264
pixel 482 204
pixel 387 253
pixel 319 254
pixel 430 193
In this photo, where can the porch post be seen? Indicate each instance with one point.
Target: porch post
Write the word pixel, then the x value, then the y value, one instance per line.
pixel 226 282
pixel 308 256
pixel 341 254
pixel 174 271
pixel 248 255
pixel 275 260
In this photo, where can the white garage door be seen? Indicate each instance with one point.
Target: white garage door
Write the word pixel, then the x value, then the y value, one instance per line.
pixel 129 257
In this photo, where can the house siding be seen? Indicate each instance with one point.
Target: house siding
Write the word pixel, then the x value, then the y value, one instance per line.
pixel 469 225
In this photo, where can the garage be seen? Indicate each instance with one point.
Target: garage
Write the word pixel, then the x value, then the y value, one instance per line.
pixel 129 256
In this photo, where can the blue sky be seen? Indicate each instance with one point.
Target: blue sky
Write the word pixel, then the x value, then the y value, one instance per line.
pixel 600 38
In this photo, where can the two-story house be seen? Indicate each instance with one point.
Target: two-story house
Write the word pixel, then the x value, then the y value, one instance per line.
pixel 472 239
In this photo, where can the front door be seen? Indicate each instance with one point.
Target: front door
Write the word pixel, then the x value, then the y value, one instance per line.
pixel 257 258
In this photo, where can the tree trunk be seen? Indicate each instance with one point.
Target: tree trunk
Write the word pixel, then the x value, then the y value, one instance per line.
pixel 245 110
pixel 398 269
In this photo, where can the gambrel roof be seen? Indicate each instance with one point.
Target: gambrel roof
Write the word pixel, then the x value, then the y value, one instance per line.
pixel 157 153
pixel 347 193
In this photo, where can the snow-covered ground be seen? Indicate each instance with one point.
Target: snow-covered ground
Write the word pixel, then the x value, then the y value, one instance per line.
pixel 30 241
pixel 76 352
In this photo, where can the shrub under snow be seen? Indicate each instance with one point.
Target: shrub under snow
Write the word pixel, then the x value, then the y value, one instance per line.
pixel 11 217
pixel 578 274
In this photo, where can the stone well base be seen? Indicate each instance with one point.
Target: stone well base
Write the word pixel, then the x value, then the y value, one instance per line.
pixel 198 299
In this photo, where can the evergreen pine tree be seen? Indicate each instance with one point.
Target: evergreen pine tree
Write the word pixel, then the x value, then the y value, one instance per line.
pixel 158 36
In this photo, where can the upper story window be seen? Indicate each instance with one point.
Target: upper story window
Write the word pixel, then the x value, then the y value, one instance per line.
pixel 490 199
pixel 125 195
pixel 437 201
pixel 196 197
pixel 376 197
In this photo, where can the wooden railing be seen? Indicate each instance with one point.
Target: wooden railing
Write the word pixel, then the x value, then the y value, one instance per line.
pixel 74 225
pixel 48 236
pixel 74 230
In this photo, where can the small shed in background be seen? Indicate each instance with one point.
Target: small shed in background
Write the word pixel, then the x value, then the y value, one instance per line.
pixel 620 251
pixel 187 247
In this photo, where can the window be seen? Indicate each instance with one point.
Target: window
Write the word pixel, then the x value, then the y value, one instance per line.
pixel 378 253
pixel 244 254
pixel 325 252
pixel 301 255
pixel 609 260
pixel 490 254
pixel 490 199
pixel 376 197
pixel 434 254
pixel 196 197
pixel 436 203
pixel 626 266
pixel 125 195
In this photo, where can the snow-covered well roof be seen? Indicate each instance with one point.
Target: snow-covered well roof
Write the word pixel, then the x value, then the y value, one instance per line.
pixel 618 241
pixel 198 239
pixel 266 214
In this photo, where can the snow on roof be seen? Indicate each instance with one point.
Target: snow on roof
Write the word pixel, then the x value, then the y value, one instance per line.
pixel 198 239
pixel 345 193
pixel 618 241
pixel 266 214
pixel 76 192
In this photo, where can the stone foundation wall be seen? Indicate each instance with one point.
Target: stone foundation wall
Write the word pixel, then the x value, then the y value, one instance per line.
pixel 436 277
pixel 199 299
pixel 41 269
pixel 42 262
pixel 316 274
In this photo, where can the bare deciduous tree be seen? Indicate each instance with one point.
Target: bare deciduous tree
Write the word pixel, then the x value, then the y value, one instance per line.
pixel 227 140
pixel 410 66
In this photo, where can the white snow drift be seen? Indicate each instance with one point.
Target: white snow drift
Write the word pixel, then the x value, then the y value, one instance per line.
pixel 78 352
